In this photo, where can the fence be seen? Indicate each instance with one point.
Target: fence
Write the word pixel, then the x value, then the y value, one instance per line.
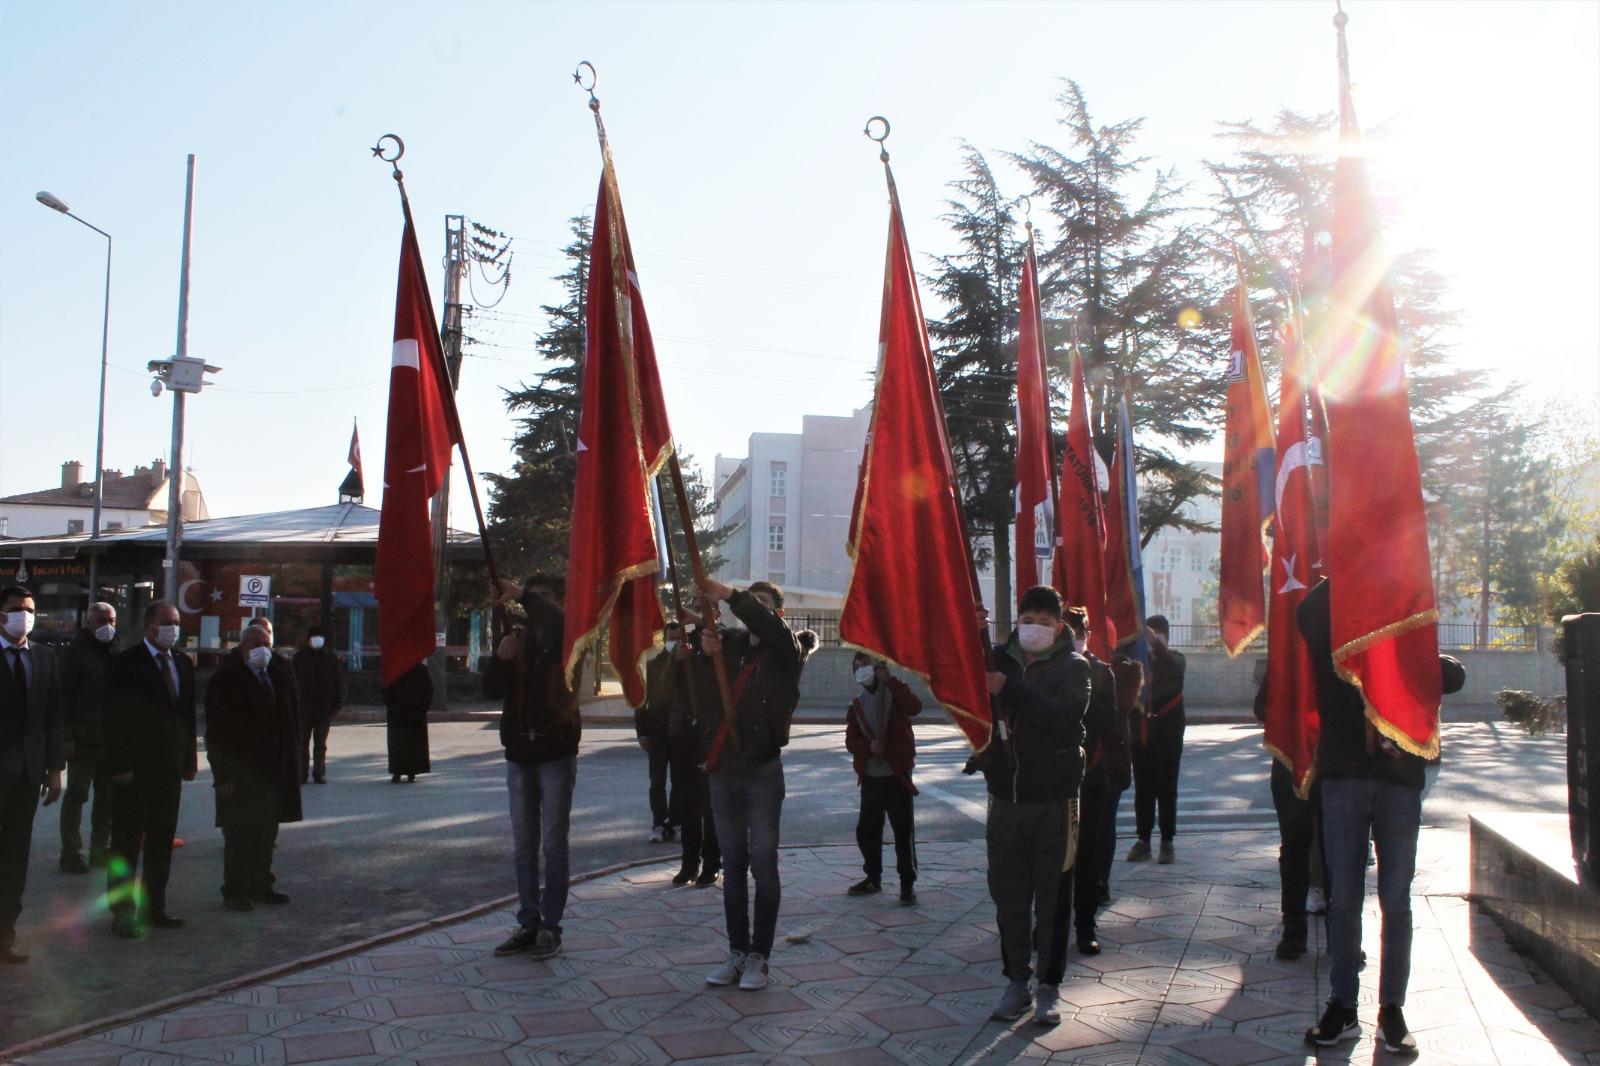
pixel 1457 635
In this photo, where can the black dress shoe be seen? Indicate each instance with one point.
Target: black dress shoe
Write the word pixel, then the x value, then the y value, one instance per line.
pixel 1087 944
pixel 685 875
pixel 74 864
pixel 166 921
pixel 320 780
pixel 273 897
pixel 238 905
pixel 11 956
pixel 128 930
pixel 395 780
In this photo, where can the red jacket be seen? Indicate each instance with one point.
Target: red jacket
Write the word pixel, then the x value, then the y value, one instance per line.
pixel 899 744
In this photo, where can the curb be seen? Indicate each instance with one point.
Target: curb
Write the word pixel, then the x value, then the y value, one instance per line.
pixel 233 984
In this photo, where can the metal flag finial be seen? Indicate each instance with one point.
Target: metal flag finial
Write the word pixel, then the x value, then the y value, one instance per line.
pixel 380 151
pixel 883 152
pixel 593 78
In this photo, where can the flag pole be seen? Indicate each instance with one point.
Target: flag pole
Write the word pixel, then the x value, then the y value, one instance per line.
pixel 1057 541
pixel 586 82
pixel 380 151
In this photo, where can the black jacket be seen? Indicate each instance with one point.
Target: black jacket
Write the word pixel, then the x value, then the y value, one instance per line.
pixel 1105 741
pixel 654 719
pixel 1043 705
pixel 546 725
pixel 764 678
pixel 147 732
pixel 83 695
pixel 41 746
pixel 319 679
pixel 253 743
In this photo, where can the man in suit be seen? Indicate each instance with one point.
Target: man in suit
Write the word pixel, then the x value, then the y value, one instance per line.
pixel 253 745
pixel 31 752
pixel 83 695
pixel 151 751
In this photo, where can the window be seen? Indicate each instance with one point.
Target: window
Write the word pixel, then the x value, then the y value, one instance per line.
pixel 778 479
pixel 774 538
pixel 1194 561
pixel 775 576
pixel 113 525
pixel 74 525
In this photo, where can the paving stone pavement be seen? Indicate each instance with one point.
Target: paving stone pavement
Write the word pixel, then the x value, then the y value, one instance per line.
pixel 1187 978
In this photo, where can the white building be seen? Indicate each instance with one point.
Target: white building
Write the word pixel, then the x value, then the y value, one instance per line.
pixel 1181 567
pixel 130 501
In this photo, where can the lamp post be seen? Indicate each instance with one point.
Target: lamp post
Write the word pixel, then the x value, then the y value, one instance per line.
pixel 56 204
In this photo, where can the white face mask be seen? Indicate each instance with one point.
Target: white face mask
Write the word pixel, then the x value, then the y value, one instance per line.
pixel 259 656
pixel 670 645
pixel 316 643
pixel 19 624
pixel 106 634
pixel 166 636
pixel 866 675
pixel 1035 639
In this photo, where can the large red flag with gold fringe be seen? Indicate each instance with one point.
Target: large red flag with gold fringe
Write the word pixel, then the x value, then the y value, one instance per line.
pixel 912 595
pixel 1247 465
pixel 1034 502
pixel 1080 575
pixel 1385 640
pixel 1293 723
pixel 623 440
pixel 421 431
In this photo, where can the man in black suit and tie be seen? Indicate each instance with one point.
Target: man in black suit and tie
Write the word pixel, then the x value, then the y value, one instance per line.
pixel 31 752
pixel 151 751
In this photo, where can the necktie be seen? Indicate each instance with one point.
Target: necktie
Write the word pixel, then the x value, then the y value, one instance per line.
pixel 20 672
pixel 165 660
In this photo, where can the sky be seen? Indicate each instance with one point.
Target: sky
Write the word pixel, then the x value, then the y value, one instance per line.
pixel 756 208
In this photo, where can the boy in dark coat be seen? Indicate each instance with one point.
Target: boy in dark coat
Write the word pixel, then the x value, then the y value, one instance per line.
pixel 253 746
pixel 319 676
pixel 651 723
pixel 1105 748
pixel 1033 768
pixel 691 788
pixel 880 740
pixel 1158 746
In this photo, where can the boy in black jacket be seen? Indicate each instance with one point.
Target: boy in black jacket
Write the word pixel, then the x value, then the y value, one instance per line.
pixel 540 730
pixel 742 753
pixel 1033 780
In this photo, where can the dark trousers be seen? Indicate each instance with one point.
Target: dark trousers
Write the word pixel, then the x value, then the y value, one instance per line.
pixel 1299 846
pixel 19 798
pixel 83 773
pixel 880 797
pixel 661 808
pixel 144 817
pixel 749 806
pixel 691 798
pixel 314 746
pixel 1106 836
pixel 1094 799
pixel 247 858
pixel 1027 846
pixel 1155 776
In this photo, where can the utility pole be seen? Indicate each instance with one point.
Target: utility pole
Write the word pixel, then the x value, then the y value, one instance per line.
pixel 175 471
pixel 455 267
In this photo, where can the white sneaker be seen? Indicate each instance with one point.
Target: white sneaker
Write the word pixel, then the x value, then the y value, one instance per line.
pixel 657 835
pixel 728 972
pixel 755 972
pixel 1316 901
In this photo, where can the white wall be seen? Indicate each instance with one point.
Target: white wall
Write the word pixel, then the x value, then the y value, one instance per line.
pixel 40 520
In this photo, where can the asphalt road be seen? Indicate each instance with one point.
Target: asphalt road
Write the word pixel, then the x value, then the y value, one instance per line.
pixel 371 856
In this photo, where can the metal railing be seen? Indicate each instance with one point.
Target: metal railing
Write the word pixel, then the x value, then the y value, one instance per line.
pixel 824 623
pixel 1452 636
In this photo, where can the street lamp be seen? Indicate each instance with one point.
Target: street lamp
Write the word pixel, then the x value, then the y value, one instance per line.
pixel 55 203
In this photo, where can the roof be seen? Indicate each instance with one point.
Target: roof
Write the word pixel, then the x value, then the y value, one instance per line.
pixel 136 491
pixel 339 524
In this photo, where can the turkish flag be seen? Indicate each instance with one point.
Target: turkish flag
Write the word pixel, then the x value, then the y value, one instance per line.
pixel 1123 600
pixel 422 429
pixel 1080 573
pixel 912 596
pixel 1292 720
pixel 1034 503
pixel 623 440
pixel 1385 640
pixel 1248 458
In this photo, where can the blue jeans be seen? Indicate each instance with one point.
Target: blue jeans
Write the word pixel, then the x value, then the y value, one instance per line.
pixel 541 813
pixel 1351 809
pixel 747 805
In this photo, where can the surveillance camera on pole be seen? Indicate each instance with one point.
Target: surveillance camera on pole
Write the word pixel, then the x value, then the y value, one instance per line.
pixel 181 373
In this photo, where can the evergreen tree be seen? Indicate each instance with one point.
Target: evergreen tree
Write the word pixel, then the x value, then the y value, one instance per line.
pixel 1132 278
pixel 975 353
pixel 703 504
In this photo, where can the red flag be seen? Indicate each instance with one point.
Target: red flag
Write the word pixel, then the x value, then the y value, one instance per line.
pixel 1122 607
pixel 1385 641
pixel 1292 720
pixel 1034 503
pixel 623 439
pixel 1247 468
pixel 912 595
pixel 355 449
pixel 1080 571
pixel 422 430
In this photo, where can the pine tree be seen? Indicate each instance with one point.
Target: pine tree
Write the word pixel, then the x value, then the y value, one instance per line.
pixel 703 504
pixel 530 508
pixel 1132 278
pixel 975 352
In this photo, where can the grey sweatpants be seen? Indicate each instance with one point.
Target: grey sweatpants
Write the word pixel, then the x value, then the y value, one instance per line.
pixel 1029 845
